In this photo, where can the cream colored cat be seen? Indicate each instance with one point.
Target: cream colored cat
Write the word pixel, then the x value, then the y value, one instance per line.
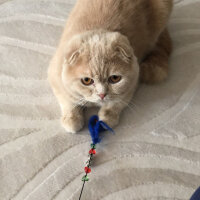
pixel 106 44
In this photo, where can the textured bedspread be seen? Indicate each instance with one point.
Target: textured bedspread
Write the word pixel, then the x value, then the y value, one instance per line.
pixel 155 153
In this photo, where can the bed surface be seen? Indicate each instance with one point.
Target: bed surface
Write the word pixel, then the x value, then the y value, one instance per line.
pixel 155 153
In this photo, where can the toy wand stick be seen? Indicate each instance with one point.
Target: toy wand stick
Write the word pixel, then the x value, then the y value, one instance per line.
pixel 95 127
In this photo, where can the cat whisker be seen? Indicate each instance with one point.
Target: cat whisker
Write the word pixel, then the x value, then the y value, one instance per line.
pixel 136 102
pixel 78 104
pixel 126 104
pixel 82 103
pixel 130 105
pixel 134 105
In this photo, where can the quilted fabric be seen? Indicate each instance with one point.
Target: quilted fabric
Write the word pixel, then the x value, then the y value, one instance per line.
pixel 155 152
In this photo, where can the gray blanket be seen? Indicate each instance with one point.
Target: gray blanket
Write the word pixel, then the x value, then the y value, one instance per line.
pixel 155 152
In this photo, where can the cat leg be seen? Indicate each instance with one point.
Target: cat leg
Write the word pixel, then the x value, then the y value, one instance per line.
pixel 154 68
pixel 72 113
pixel 110 113
pixel 72 117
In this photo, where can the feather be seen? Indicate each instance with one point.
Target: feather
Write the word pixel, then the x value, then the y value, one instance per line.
pixel 196 195
pixel 97 126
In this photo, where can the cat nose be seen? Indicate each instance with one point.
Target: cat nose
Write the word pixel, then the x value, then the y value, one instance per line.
pixel 102 96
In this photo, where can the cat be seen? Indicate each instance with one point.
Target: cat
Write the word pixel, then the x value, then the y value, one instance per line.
pixel 107 47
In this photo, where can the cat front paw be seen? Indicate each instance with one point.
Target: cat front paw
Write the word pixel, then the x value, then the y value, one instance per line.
pixel 72 124
pixel 109 117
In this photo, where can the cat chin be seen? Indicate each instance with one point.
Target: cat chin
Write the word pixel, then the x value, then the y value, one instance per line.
pixel 93 104
pixel 97 102
pixel 100 103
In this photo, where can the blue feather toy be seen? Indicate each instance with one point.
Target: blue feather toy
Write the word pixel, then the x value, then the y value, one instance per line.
pixel 196 195
pixel 95 127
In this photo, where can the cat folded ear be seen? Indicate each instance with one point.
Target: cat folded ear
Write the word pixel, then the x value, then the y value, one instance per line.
pixel 122 47
pixel 124 52
pixel 72 51
pixel 72 56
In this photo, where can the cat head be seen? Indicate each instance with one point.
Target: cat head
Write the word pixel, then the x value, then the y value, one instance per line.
pixel 99 67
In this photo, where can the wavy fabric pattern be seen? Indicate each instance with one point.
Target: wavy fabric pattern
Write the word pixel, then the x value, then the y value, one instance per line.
pixel 155 153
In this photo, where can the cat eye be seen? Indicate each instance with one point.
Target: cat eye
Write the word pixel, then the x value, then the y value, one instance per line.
pixel 87 81
pixel 114 79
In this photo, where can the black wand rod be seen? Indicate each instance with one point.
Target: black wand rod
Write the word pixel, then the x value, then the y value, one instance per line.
pixel 84 180
pixel 82 190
